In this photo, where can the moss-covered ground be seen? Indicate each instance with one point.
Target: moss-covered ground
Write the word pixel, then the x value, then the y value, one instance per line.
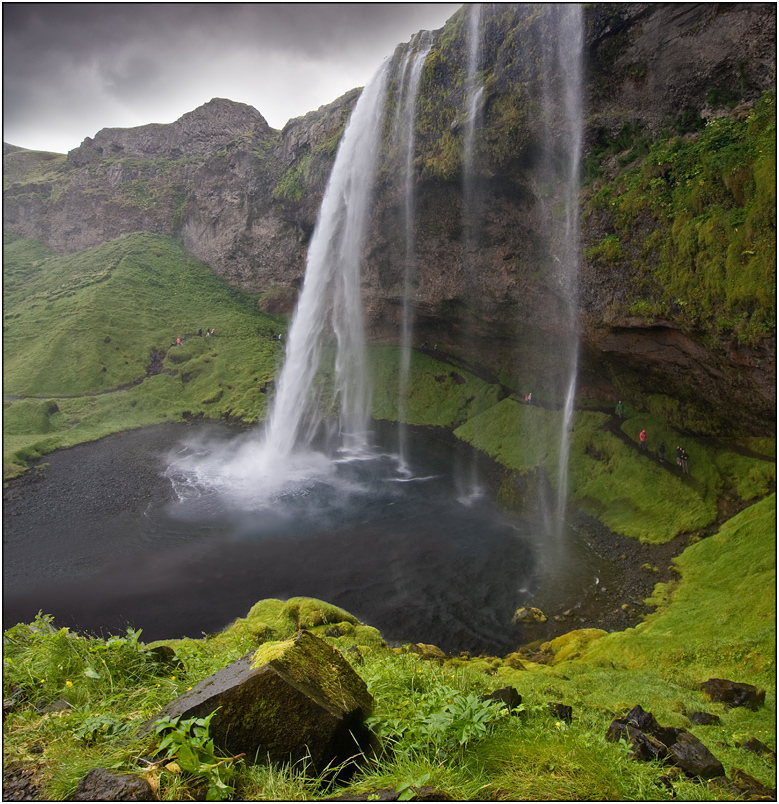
pixel 79 332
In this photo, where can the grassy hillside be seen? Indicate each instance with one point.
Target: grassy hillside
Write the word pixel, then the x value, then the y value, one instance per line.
pixel 79 332
pixel 630 493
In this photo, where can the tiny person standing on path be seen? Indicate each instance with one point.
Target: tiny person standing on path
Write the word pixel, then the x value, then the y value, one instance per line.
pixel 678 456
pixel 684 462
pixel 642 440
pixel 620 409
pixel 661 452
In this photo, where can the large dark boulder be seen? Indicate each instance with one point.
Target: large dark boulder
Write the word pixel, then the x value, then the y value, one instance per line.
pixel 733 693
pixel 651 741
pixel 290 699
pixel 692 756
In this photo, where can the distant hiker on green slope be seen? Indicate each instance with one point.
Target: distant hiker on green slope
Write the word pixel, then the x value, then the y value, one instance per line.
pixel 620 409
pixel 642 440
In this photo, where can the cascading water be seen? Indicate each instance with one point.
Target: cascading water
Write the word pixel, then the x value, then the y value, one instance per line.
pixel 257 471
pixel 333 271
pixel 561 47
pixel 471 212
pixel 403 136
pixel 471 203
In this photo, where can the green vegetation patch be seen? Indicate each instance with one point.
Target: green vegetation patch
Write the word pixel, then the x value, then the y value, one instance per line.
pixel 709 200
pixel 720 618
pixel 80 331
pixel 437 393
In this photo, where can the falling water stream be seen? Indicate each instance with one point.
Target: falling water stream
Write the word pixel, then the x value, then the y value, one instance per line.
pixel 403 135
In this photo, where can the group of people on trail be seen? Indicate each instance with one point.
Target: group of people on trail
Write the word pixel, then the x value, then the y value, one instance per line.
pixel 681 453
pixel 681 459
pixel 199 332
pixel 529 398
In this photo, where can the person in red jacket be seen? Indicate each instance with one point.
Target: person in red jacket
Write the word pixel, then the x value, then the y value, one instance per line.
pixel 642 440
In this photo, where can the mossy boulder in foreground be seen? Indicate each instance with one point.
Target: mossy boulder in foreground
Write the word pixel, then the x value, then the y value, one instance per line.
pixel 290 699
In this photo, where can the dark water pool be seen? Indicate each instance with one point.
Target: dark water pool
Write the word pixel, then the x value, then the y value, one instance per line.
pixel 149 528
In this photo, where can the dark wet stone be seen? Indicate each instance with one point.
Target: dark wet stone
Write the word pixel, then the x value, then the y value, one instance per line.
pixel 645 747
pixel 21 784
pixel 508 696
pixel 55 706
pixel 743 786
pixel 703 719
pixel 561 712
pixel 733 693
pixel 756 747
pixel 692 756
pixel 105 785
pixel 334 632
pixel 646 722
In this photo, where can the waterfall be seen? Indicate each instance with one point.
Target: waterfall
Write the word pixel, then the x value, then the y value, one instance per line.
pixel 403 136
pixel 569 51
pixel 330 299
pixel 332 286
pixel 472 213
pixel 561 46
pixel 474 90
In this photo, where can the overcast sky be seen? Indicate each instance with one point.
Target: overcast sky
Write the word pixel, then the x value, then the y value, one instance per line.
pixel 70 69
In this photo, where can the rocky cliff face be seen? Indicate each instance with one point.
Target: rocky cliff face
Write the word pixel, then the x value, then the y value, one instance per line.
pixel 244 198
pixel 240 195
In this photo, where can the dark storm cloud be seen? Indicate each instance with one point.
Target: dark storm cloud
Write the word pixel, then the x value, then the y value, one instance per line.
pixel 73 68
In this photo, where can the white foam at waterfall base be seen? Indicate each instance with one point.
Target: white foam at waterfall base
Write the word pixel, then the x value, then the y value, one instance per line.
pixel 244 473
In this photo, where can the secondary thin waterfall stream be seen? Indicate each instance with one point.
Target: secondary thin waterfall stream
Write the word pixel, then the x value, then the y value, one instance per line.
pixel 403 136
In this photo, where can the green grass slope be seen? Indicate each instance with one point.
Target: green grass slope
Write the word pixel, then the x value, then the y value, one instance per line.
pixel 630 493
pixel 719 619
pixel 79 331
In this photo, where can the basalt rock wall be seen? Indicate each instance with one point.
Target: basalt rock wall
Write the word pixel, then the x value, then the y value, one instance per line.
pixel 244 198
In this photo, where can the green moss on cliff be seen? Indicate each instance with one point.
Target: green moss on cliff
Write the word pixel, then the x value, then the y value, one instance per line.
pixel 437 393
pixel 711 258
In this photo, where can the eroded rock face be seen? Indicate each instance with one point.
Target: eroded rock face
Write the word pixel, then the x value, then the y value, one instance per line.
pixel 198 133
pixel 287 700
